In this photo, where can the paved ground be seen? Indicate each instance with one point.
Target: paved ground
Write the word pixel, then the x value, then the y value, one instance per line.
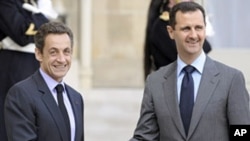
pixel 111 114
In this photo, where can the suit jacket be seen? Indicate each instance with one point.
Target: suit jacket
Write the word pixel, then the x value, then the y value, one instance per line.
pixel 31 113
pixel 222 100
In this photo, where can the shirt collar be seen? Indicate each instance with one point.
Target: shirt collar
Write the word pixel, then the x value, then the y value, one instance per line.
pixel 51 83
pixel 198 63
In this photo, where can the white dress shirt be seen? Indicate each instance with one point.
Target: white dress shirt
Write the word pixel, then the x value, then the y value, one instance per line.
pixel 199 65
pixel 51 83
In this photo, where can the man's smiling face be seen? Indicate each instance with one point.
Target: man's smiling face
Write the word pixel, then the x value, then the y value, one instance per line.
pixel 55 59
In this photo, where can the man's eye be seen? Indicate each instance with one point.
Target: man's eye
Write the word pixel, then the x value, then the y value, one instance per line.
pixel 185 29
pixel 67 52
pixel 199 28
pixel 52 52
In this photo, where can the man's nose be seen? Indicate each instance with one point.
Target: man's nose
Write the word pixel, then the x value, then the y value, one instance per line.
pixel 193 33
pixel 60 57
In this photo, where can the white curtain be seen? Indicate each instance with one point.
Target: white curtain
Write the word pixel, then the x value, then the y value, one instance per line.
pixel 231 23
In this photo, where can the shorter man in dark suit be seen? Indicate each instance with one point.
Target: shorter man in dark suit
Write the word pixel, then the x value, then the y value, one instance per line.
pixel 195 98
pixel 32 106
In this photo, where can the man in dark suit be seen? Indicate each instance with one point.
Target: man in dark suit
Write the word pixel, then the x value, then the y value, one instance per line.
pixel 216 96
pixel 32 108
pixel 17 60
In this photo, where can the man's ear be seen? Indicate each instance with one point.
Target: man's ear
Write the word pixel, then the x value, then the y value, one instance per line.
pixel 38 54
pixel 170 31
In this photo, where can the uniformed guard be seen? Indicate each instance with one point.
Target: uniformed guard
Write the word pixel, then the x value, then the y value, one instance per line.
pixel 19 20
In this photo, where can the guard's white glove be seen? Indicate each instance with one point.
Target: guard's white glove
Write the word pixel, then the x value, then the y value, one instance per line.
pixel 44 7
pixel 31 8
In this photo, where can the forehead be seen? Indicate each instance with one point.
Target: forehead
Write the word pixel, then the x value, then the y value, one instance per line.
pixel 57 40
pixel 190 17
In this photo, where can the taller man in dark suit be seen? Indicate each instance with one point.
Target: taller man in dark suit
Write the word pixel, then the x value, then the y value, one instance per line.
pixel 32 106
pixel 194 98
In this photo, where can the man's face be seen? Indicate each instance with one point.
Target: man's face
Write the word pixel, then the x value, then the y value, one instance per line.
pixel 189 33
pixel 56 57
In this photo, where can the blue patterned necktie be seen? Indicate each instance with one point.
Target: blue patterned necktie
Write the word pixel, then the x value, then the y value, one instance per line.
pixel 187 97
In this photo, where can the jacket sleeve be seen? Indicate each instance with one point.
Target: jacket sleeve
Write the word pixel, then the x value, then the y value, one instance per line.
pixel 20 117
pixel 17 23
pixel 147 128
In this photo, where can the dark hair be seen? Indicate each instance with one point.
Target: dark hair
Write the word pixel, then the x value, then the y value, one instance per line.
pixel 51 28
pixel 184 7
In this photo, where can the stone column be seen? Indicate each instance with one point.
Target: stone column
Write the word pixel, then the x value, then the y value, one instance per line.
pixel 85 47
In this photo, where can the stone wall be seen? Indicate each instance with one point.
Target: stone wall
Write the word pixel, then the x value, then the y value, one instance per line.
pixel 118 30
pixel 118 35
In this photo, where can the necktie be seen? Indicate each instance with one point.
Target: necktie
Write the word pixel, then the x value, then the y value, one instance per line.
pixel 59 90
pixel 187 97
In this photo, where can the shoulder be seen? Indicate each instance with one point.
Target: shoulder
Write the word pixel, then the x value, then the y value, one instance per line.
pixel 222 69
pixel 22 92
pixel 25 84
pixel 163 73
pixel 225 68
pixel 28 86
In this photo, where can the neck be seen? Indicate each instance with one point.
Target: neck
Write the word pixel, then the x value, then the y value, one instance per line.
pixel 189 58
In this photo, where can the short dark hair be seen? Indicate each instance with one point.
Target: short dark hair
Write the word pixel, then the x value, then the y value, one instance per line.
pixel 51 28
pixel 184 7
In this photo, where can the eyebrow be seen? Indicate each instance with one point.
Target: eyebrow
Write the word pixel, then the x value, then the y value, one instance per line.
pixel 188 27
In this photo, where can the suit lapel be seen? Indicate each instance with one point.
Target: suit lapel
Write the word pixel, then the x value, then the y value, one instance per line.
pixel 170 93
pixel 208 83
pixel 76 102
pixel 51 105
